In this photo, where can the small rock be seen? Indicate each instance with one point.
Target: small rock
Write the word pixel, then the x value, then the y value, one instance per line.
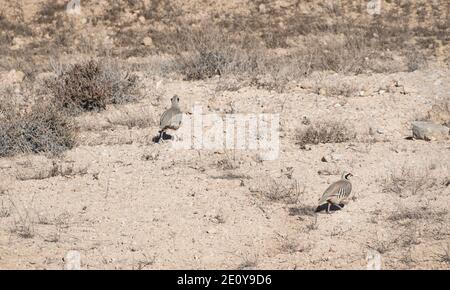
pixel 336 157
pixel 380 131
pixel 72 260
pixel 14 76
pixel 147 41
pixel 429 131
pixel 324 159
pixel 262 8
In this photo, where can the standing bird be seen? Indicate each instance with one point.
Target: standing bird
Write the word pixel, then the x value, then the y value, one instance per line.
pixel 337 192
pixel 171 118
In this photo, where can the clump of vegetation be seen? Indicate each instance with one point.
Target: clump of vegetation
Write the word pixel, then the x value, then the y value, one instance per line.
pixel 212 52
pixel 440 112
pixel 283 190
pixel 91 85
pixel 445 255
pixel 44 129
pixel 10 28
pixel 408 181
pixel 324 132
pixel 49 11
pixel 420 213
pixel 160 10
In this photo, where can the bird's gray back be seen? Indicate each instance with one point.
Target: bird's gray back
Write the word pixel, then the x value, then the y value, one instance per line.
pixel 339 189
pixel 170 119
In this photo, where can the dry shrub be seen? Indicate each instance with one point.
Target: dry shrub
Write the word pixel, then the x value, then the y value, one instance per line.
pixel 324 132
pixel 161 10
pixel 212 52
pixel 418 213
pixel 43 129
pixel 14 24
pixel 415 59
pixel 408 181
pixel 49 11
pixel 444 256
pixel 342 54
pixel 337 87
pixel 440 112
pixel 91 85
pixel 283 190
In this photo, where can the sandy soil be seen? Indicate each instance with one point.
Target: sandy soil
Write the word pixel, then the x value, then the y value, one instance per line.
pixel 128 202
pixel 125 202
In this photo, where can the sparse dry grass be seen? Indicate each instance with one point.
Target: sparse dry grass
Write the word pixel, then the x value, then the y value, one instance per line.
pixel 229 162
pixel 291 245
pixel 440 112
pixel 57 169
pixel 249 261
pixel 4 211
pixel 283 190
pixel 334 88
pixel 444 257
pixel 418 213
pixel 23 224
pixel 212 52
pixel 324 132
pixel 408 181
pixel 303 210
pixel 49 10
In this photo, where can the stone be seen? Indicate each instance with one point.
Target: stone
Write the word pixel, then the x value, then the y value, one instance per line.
pixel 147 41
pixel 336 157
pixel 429 131
pixel 72 260
pixel 262 8
pixel 14 76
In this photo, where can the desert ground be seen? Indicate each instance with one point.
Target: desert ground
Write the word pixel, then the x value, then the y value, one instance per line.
pixel 82 91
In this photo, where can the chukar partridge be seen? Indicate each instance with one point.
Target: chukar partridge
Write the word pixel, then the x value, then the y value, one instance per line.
pixel 171 118
pixel 337 192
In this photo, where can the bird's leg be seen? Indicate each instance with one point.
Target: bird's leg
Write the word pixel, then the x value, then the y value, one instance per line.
pixel 338 206
pixel 328 208
pixel 161 134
